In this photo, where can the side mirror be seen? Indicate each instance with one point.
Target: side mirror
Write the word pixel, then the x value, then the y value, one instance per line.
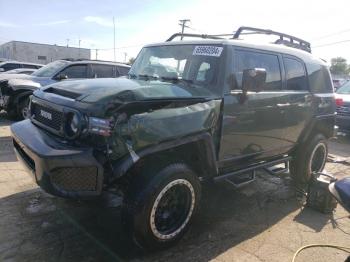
pixel 60 77
pixel 253 79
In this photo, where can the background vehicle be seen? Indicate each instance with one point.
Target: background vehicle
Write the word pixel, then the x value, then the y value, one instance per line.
pixel 343 108
pixel 15 91
pixel 9 65
pixel 26 71
pixel 191 112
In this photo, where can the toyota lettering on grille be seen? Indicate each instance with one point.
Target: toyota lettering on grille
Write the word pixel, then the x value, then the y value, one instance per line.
pixel 45 114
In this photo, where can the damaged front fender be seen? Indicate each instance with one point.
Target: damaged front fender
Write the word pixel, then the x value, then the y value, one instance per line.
pixel 158 130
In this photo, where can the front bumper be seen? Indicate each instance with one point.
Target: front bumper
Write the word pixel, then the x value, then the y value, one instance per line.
pixel 57 168
pixel 343 122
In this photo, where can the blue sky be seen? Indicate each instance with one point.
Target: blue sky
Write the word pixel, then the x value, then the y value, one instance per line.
pixel 141 22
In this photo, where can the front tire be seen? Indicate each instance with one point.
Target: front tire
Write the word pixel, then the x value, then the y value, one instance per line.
pixel 309 158
pixel 159 207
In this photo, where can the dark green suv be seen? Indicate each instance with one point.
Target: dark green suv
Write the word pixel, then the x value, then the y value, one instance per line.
pixel 189 112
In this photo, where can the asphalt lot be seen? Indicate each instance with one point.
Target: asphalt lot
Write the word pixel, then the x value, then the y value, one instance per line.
pixel 262 222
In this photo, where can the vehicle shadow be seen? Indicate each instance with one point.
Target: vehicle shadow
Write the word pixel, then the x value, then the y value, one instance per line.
pixel 7 153
pixel 38 227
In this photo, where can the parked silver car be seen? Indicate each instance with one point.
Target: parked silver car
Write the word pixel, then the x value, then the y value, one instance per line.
pixel 9 65
pixel 26 71
pixel 15 92
pixel 343 108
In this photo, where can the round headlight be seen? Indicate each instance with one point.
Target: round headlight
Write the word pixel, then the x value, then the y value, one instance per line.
pixel 73 125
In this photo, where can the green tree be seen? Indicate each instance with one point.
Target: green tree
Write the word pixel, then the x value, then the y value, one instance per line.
pixel 131 60
pixel 339 66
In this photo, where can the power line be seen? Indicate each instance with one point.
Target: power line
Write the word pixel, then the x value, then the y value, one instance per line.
pixel 332 34
pixel 333 43
pixel 121 47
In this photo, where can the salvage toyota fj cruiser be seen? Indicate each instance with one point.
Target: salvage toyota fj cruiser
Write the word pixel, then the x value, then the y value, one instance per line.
pixel 189 112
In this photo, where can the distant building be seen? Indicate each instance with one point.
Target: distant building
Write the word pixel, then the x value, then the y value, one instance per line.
pixel 40 53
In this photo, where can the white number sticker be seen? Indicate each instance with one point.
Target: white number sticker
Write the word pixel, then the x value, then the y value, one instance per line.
pixel 207 50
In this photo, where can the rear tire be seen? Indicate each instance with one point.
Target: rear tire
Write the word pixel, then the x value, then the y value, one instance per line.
pixel 159 206
pixel 309 157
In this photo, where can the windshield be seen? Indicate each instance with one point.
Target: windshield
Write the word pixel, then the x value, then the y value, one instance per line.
pixel 50 69
pixel 345 89
pixel 189 65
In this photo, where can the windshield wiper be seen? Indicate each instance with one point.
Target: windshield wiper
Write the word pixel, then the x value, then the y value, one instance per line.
pixel 149 77
pixel 133 76
pixel 188 82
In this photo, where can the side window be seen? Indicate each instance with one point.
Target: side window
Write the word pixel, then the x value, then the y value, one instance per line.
pixel 295 74
pixel 29 66
pixel 319 78
pixel 102 71
pixel 123 71
pixel 75 71
pixel 10 66
pixel 202 71
pixel 249 60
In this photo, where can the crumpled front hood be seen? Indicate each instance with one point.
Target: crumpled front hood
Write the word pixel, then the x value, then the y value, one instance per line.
pixel 29 82
pixel 101 90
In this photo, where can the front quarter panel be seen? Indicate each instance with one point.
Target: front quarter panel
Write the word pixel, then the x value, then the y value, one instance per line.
pixel 150 132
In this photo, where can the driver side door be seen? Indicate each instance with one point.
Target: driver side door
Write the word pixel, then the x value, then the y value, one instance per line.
pixel 253 123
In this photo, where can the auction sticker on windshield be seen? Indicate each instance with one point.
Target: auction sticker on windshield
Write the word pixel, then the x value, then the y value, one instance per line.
pixel 207 50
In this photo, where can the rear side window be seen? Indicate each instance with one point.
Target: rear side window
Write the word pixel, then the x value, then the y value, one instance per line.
pixel 30 66
pixel 75 71
pixel 319 78
pixel 102 71
pixel 123 71
pixel 295 74
pixel 250 60
pixel 10 66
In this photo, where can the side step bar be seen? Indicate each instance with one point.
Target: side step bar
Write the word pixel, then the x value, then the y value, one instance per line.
pixel 275 171
pixel 241 180
pixel 230 177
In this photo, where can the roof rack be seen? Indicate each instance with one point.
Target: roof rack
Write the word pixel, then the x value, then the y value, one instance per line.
pixel 284 39
pixel 193 35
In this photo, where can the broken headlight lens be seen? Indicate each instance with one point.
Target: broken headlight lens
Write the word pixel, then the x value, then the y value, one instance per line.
pixel 73 125
pixel 100 126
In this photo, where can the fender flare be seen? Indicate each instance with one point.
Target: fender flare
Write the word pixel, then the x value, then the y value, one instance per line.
pixel 121 167
pixel 324 123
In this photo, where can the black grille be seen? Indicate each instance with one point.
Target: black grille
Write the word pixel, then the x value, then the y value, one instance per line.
pixel 75 178
pixel 47 116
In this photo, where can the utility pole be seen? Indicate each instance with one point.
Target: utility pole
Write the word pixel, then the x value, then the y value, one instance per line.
pixel 183 25
pixel 125 55
pixel 114 38
pixel 96 53
pixel 67 42
pixel 79 47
